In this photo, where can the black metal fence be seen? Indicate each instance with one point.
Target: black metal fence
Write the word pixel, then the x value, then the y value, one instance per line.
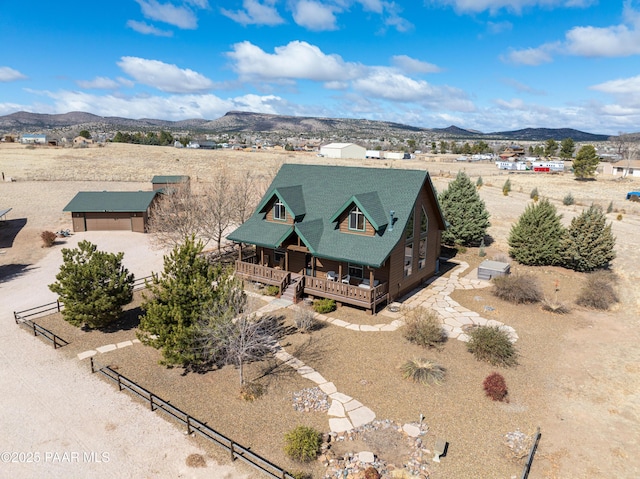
pixel 534 446
pixel 38 330
pixel 193 425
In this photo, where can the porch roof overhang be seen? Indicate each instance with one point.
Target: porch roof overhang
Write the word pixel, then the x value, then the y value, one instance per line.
pixel 261 233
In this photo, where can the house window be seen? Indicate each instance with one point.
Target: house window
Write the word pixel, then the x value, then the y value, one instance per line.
pixel 279 213
pixel 408 259
pixel 356 220
pixel 422 248
pixel 356 271
pixel 408 247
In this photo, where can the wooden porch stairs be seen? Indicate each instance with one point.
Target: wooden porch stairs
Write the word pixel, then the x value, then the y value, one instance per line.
pixel 290 291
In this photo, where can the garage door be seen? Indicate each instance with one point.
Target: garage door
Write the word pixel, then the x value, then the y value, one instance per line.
pixel 108 222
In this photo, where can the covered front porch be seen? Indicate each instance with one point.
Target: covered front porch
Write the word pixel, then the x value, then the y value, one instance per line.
pixel 343 283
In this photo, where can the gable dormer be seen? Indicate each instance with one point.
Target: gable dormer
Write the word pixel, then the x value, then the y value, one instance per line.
pixel 284 205
pixel 361 214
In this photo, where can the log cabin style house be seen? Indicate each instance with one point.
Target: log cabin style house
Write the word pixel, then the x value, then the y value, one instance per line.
pixel 359 236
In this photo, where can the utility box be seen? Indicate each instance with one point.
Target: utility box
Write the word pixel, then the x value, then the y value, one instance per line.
pixel 490 269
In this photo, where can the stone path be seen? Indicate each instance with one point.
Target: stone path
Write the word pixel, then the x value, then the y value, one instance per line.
pixel 345 412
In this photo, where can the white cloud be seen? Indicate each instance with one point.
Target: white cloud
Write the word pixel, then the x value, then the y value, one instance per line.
pixel 531 56
pixel 173 107
pixel 314 16
pixel 8 74
pixel 621 86
pixel 587 41
pixel 146 29
pixel 521 87
pixel 496 28
pixel 99 83
pixel 178 16
pixel 163 76
pixel 296 60
pixel 255 13
pixel 384 83
pixel 375 6
pixel 411 65
pixel 493 6
pixel 614 41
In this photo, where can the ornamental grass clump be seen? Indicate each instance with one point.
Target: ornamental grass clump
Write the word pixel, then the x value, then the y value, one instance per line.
pixel 517 288
pixel 48 238
pixel 424 371
pixel 302 443
pixel 493 345
pixel 424 328
pixel 599 291
pixel 305 320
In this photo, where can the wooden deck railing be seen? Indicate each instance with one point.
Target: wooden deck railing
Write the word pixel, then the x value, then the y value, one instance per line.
pixel 316 286
pixel 256 272
pixel 347 293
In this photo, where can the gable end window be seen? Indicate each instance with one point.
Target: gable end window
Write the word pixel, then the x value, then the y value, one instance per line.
pixel 279 212
pixel 356 220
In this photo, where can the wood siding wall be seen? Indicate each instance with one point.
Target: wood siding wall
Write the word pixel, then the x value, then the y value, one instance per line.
pixel 269 216
pixel 343 224
pixel 398 284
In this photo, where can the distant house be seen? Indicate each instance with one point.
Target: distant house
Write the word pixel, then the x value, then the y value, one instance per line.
pixel 343 150
pixel 543 166
pixel 111 210
pixel 82 141
pixel 622 168
pixel 360 236
pixel 161 182
pixel 30 139
pixel 512 152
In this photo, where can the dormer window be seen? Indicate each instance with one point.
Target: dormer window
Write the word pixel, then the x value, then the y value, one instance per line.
pixel 356 220
pixel 279 212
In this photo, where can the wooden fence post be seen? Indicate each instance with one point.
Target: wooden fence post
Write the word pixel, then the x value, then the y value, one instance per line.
pixel 92 368
pixel 35 333
pixel 119 384
pixel 151 401
pixel 58 304
pixel 233 458
pixel 188 425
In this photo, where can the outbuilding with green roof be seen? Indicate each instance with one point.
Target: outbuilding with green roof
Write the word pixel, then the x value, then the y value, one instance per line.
pixel 361 236
pixel 111 210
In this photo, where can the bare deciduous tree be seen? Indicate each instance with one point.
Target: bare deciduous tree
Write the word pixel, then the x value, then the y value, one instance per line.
pixel 230 334
pixel 628 147
pixel 206 213
pixel 175 215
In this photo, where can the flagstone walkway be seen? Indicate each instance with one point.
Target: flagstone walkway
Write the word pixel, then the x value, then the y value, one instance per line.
pixel 346 412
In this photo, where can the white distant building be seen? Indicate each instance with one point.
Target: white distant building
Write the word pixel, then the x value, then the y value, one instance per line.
pixel 374 154
pixel 511 165
pixel 33 139
pixel 343 150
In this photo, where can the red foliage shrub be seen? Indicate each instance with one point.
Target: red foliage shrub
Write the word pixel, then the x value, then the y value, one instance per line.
pixel 495 387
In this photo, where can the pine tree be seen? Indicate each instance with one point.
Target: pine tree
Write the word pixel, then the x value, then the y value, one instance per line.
pixel 567 147
pixel 535 239
pixel 465 212
pixel 586 162
pixel 176 300
pixel 92 285
pixel 589 242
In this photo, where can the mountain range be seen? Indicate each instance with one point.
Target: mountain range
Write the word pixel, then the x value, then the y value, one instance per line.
pixel 249 122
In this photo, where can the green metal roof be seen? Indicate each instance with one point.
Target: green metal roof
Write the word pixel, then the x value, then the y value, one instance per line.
pixel 169 179
pixel 328 190
pixel 101 201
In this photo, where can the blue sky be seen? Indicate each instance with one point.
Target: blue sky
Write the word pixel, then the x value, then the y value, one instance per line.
pixel 488 65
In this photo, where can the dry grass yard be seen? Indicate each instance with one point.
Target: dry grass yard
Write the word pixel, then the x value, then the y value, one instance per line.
pixel 578 377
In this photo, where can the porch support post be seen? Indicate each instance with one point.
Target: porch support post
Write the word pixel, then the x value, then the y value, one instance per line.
pixel 286 260
pixel 261 256
pixel 240 251
pixel 340 272
pixel 371 278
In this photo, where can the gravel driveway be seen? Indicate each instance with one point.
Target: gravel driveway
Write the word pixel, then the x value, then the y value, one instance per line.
pixel 59 421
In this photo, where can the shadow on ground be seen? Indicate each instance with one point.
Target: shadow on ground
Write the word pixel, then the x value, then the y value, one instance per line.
pixel 11 271
pixel 9 229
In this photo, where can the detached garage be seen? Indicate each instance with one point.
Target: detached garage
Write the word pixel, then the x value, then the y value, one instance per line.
pixel 111 210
